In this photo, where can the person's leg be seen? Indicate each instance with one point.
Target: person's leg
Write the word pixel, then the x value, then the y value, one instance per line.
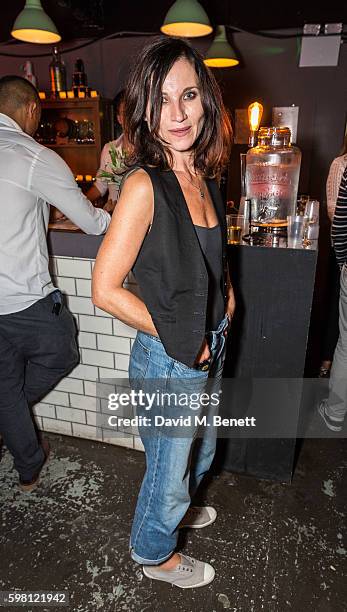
pixel 331 332
pixel 336 407
pixel 205 446
pixel 163 499
pixel 38 348
pixel 16 425
pixel 164 495
pixel 50 347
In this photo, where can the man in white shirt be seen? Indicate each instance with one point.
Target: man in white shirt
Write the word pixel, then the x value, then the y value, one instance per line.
pixel 37 332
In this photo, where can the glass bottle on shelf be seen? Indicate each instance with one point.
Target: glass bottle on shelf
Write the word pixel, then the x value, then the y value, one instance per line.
pixel 272 176
pixel 57 73
pixel 79 78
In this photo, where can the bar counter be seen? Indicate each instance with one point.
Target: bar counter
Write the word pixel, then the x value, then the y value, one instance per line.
pixel 274 289
pixel 104 341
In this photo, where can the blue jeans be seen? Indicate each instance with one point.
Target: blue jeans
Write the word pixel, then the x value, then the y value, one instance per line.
pixel 175 465
pixel 337 400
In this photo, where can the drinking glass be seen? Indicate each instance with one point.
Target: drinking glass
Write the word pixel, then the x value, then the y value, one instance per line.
pixel 245 212
pixel 312 211
pixel 301 204
pixel 236 227
pixel 90 132
pixel 295 231
pixel 311 220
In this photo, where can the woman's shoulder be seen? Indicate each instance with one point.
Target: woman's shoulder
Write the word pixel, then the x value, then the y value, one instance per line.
pixel 136 178
pixel 339 162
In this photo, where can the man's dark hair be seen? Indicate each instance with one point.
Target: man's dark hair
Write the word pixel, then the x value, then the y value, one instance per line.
pixel 211 149
pixel 15 92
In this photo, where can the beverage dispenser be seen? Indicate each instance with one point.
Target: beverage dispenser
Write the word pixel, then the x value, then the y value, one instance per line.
pixel 272 176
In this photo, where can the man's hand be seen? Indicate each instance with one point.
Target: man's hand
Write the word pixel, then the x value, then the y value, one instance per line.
pixel 56 215
pixel 110 206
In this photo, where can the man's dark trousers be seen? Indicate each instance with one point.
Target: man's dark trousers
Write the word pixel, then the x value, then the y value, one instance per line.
pixel 37 348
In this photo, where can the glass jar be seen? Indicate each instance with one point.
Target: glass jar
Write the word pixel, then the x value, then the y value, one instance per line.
pixel 272 176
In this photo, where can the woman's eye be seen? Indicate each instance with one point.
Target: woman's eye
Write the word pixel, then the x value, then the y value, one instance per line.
pixel 190 95
pixel 163 100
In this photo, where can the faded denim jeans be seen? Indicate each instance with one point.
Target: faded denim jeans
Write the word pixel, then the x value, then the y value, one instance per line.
pixel 175 462
pixel 337 401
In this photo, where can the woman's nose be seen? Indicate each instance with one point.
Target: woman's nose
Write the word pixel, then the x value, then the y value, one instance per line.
pixel 178 112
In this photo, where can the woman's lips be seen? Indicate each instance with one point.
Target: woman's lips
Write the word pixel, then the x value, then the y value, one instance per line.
pixel 180 132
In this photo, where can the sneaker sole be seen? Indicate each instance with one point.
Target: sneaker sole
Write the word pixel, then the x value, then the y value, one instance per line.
pixel 328 424
pixel 198 526
pixel 193 586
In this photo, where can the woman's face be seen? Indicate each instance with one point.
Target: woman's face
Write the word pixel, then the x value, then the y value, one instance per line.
pixel 182 114
pixel 120 114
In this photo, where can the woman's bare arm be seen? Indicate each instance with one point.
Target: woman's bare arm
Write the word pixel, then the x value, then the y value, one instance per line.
pixel 117 254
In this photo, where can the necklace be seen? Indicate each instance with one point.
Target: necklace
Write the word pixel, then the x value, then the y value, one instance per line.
pixel 201 193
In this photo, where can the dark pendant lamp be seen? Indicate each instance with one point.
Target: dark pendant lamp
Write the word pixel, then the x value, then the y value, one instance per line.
pixel 221 54
pixel 188 19
pixel 33 25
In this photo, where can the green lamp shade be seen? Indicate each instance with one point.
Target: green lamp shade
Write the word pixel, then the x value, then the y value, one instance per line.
pixel 221 54
pixel 33 25
pixel 186 18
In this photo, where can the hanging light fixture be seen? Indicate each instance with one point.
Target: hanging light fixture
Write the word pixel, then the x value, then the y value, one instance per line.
pixel 221 54
pixel 34 25
pixel 186 18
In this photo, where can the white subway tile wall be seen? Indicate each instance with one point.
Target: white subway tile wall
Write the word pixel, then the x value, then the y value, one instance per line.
pixel 105 344
pixel 87 340
pixel 84 287
pixel 81 305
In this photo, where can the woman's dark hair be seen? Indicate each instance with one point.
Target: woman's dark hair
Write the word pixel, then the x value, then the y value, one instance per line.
pixel 344 147
pixel 119 98
pixel 211 149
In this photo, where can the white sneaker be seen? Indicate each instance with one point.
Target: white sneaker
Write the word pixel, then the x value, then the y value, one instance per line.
pixel 188 574
pixel 197 517
pixel 333 423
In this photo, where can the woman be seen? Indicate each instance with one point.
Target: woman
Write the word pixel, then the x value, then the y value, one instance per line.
pixel 169 228
pixel 101 186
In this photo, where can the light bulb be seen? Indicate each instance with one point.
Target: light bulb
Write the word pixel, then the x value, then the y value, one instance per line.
pixel 255 113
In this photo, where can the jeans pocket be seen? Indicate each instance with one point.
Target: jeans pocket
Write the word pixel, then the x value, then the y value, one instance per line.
pixel 181 369
pixel 139 361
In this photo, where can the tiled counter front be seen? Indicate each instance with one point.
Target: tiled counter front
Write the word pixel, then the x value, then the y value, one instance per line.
pixel 105 344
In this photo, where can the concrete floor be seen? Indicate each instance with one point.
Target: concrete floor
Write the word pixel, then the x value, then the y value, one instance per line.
pixel 274 547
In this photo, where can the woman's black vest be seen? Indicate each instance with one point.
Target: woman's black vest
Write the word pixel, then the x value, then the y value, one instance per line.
pixel 170 268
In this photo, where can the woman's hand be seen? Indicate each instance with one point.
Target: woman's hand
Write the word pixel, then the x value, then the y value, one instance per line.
pixel 204 352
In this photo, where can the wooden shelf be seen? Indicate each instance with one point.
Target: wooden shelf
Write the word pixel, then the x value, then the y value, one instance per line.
pixel 70 102
pixel 70 145
pixel 82 158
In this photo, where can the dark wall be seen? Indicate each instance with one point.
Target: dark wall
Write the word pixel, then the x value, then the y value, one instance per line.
pixel 268 72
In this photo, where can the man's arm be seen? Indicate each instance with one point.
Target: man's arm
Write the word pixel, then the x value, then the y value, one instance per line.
pixel 93 193
pixel 100 187
pixel 52 180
